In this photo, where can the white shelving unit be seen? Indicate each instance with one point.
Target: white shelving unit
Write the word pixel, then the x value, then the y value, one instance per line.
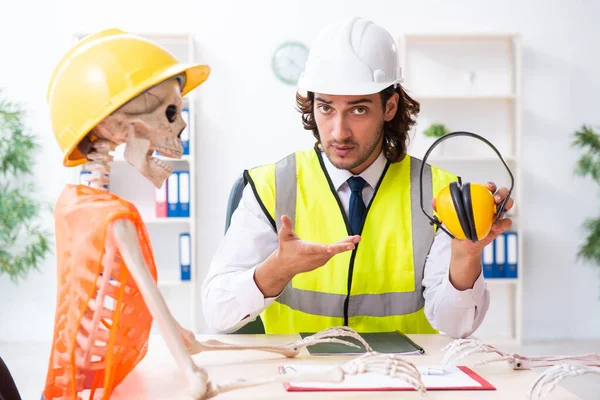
pixel 128 183
pixel 472 82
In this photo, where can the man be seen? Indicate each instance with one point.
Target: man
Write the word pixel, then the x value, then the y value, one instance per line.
pixel 335 235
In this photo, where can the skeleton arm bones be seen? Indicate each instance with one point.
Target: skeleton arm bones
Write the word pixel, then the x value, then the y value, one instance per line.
pixel 385 364
pixel 127 242
pixel 561 366
pixel 548 380
pixel 201 387
pixel 463 348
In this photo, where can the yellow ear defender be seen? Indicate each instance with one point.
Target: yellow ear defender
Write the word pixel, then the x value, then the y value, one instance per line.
pixel 467 210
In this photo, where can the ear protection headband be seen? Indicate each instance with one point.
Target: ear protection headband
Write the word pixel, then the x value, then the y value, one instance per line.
pixel 468 209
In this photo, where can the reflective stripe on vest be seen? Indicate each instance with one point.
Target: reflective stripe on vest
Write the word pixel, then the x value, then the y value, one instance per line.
pixel 345 290
pixel 332 305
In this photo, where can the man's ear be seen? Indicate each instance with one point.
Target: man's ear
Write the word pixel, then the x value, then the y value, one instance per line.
pixel 391 107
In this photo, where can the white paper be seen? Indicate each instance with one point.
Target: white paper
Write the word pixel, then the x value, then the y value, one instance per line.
pixel 455 378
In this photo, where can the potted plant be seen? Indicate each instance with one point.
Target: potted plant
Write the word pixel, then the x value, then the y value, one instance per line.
pixel 436 131
pixel 589 165
pixel 23 244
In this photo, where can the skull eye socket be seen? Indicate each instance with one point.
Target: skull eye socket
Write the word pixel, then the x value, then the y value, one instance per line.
pixel 171 113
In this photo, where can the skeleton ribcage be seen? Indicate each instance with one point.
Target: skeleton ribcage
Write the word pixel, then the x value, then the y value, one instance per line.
pixel 102 323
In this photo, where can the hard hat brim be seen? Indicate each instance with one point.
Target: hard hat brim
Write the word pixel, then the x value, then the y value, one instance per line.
pixel 344 88
pixel 195 74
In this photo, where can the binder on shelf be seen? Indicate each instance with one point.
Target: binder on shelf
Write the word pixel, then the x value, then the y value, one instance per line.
pixel 185 256
pixel 500 256
pixel 82 177
pixel 488 260
pixel 185 135
pixel 184 194
pixel 512 252
pixel 173 195
pixel 160 201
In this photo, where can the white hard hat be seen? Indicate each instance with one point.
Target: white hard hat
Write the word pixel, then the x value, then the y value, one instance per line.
pixel 351 57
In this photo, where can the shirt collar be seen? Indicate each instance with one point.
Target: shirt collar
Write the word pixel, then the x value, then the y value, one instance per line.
pixel 339 176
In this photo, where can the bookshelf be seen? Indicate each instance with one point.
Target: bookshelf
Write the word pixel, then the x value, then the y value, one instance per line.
pixel 125 181
pixel 472 82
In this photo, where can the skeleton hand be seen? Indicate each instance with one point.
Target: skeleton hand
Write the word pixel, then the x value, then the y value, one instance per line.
pixel 552 376
pixel 290 349
pixel 385 364
pixel 463 348
pixel 325 337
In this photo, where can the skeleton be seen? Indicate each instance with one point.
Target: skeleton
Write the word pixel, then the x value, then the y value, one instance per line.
pixel 288 350
pixel 561 366
pixel 548 380
pixel 371 362
pixel 152 121
pixel 463 348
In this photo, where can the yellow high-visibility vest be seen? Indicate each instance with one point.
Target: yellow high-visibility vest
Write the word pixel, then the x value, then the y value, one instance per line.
pixel 377 287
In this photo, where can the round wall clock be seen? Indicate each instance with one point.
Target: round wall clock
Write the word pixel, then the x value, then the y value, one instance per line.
pixel 288 61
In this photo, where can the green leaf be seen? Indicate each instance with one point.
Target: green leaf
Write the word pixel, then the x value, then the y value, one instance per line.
pixel 588 165
pixel 16 146
pixel 586 137
pixel 23 245
pixel 436 130
pixel 590 251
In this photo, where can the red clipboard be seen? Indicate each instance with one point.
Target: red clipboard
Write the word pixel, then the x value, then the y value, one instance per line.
pixel 482 384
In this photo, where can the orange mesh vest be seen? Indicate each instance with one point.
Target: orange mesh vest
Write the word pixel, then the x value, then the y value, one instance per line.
pixel 82 218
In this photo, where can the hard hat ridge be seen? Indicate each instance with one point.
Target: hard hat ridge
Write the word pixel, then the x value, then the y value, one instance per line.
pixel 352 57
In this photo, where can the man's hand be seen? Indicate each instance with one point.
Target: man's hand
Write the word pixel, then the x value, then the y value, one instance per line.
pixel 297 255
pixel 465 261
pixel 294 256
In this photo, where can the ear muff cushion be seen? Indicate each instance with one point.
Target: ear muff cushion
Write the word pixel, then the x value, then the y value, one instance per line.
pixel 468 204
pixel 457 199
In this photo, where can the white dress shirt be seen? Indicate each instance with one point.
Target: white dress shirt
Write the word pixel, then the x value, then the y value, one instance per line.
pixel 229 292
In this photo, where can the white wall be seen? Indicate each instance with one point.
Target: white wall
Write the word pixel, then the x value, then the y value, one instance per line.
pixel 248 118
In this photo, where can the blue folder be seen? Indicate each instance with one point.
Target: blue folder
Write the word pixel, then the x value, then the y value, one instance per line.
pixel 512 253
pixel 185 256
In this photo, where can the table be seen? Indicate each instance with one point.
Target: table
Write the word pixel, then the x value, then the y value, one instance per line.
pixel 157 376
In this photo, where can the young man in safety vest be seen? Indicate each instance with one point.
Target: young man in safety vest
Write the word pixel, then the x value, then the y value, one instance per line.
pixel 335 235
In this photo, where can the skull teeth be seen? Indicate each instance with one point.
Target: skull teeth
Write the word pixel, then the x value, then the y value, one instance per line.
pixel 170 150
pixel 164 165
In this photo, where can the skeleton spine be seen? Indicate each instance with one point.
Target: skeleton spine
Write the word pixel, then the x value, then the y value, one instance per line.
pixel 98 163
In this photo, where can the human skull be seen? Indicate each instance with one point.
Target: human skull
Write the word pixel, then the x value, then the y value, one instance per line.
pixel 151 121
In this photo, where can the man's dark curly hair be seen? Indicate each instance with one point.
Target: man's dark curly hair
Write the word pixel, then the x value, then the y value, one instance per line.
pixel 395 132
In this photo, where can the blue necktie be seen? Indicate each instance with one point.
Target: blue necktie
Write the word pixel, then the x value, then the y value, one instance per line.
pixel 357 205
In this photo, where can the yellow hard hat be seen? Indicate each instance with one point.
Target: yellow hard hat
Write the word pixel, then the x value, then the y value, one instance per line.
pixel 99 75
